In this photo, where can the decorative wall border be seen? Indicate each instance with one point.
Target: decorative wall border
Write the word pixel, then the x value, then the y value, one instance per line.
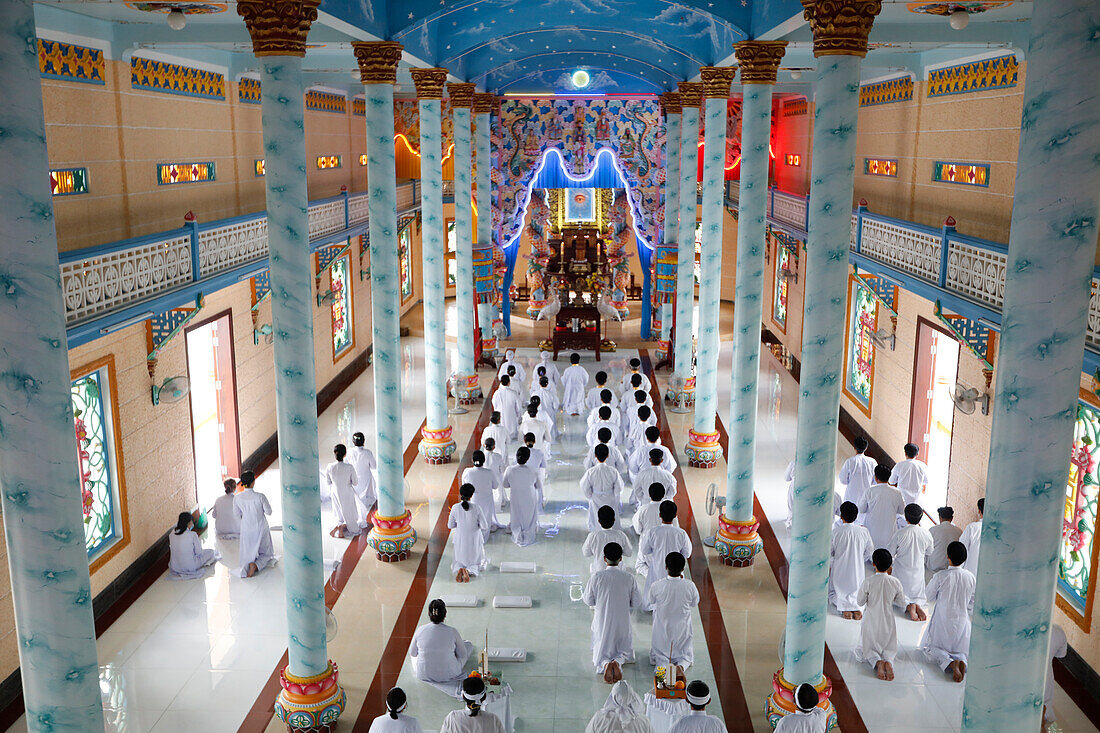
pixel 248 90
pixel 796 107
pixel 359 107
pixel 889 91
pixel 319 101
pixel 160 76
pixel 965 174
pixel 70 62
pixel 998 72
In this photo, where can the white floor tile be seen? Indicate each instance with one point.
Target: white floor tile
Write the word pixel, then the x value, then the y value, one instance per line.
pixel 220 690
pixel 142 689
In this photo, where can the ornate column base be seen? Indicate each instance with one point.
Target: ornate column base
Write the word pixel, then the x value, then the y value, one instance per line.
pixel 780 703
pixel 310 704
pixel 467 389
pixel 688 391
pixel 489 346
pixel 535 308
pixel 392 538
pixel 662 348
pixel 436 446
pixel 702 449
pixel 737 543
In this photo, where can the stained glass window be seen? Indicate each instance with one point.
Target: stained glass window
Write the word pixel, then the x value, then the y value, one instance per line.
pixel 452 249
pixel 260 167
pixel 779 301
pixel 698 250
pixel 861 349
pixel 1079 516
pixel 68 181
pixel 95 456
pixel 172 173
pixel 325 162
pixel 404 263
pixel 969 174
pixel 343 335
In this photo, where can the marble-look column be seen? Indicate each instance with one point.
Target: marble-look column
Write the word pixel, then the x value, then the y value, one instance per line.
pixel 702 449
pixel 1047 284
pixel 466 384
pixel 691 96
pixel 436 445
pixel 39 477
pixel 279 31
pixel 737 541
pixel 670 103
pixel 840 29
pixel 483 106
pixel 392 536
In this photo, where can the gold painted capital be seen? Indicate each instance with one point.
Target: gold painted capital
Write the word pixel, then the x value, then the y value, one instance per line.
pixel 717 80
pixel 377 61
pixel 462 95
pixel 691 94
pixel 484 103
pixel 278 27
pixel 841 27
pixel 670 103
pixel 759 60
pixel 429 82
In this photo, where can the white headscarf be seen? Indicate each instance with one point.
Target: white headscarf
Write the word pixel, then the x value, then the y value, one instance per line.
pixel 624 712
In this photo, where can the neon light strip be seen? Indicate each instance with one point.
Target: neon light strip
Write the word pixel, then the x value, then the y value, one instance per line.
pixel 409 147
pixel 577 179
pixel 737 160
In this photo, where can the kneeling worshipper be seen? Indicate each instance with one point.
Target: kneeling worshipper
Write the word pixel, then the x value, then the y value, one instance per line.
pixel 613 592
pixel 637 425
pixel 878 630
pixel 523 505
pixel 439 653
pixel 511 361
pixel 598 539
pixel 880 508
pixel 549 369
pixel 614 455
pixel 605 422
pixel 366 489
pixel 515 383
pixel 342 481
pixel 850 550
pixel 654 473
pixel 808 718
pixel 595 395
pixel 605 401
pixel 187 559
pixel 253 509
pixel 635 366
pixel 473 719
pixel 672 600
pixel 469 525
pixel 536 459
pixel 574 382
pixel 657 542
pixel 602 486
pixel 639 459
pixel 946 640
pixel 495 430
pixel 624 712
pixel 484 480
pixel 536 421
pixel 226 524
pixel 697 721
pixel 394 720
pixel 548 397
pixel 507 403
pixel 911 547
pixel 649 515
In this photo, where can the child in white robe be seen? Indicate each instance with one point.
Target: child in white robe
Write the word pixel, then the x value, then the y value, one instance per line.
pixel 858 472
pixel 536 459
pixel 808 718
pixel 946 640
pixel 649 514
pixel 472 719
pixel 613 592
pixel 439 652
pixel 878 631
pixel 880 508
pixel 507 404
pixel 602 486
pixel 597 539
pixel 594 415
pixel 943 534
pixel 635 365
pixel 910 475
pixel 972 539
pixel 574 382
pixel 252 508
pixel 850 551
pixel 495 462
pixel 605 421
pixel 342 481
pixel 495 430
pixel 615 456
pixel 515 383
pixel 628 408
pixel 639 459
pixel 650 475
pixel 549 402
pixel 533 425
pixel 511 361
pixel 362 460
pixel 595 395
pixel 697 720
pixel 226 524
pixel 911 547
pixel 187 560
pixel 394 719
pixel 524 499
pixel 469 527
pixel 484 480
pixel 657 542
pixel 546 363
pixel 672 600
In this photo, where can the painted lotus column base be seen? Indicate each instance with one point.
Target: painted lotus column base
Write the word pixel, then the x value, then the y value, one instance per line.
pixel 662 346
pixel 310 704
pixel 437 446
pixel 392 538
pixel 737 543
pixel 702 449
pixel 686 397
pixel 467 389
pixel 780 703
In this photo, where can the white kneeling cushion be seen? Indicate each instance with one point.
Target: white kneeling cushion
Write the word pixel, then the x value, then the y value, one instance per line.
pixel 507 654
pixel 461 601
pixel 517 567
pixel 511 601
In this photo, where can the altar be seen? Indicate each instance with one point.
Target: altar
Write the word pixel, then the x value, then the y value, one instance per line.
pixel 577 328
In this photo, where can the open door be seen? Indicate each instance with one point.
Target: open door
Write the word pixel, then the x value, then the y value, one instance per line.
pixel 935 372
pixel 212 373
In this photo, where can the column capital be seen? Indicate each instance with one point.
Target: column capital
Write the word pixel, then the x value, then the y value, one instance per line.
pixel 377 60
pixel 462 95
pixel 429 82
pixel 840 27
pixel 484 103
pixel 278 27
pixel 691 94
pixel 759 60
pixel 670 103
pixel 717 80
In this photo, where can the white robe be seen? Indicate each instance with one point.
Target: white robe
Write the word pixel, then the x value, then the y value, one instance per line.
pixel 187 559
pixel 252 508
pixel 652 475
pixel 880 509
pixel 624 383
pixel 469 543
pixel 524 504
pixel 947 636
pixel 649 515
pixel 546 360
pixel 593 435
pixel 510 360
pixel 574 381
pixel 910 476
pixel 972 538
pixel 878 631
pixel 593 399
pixel 614 458
pixel 549 401
pixel 226 524
pixel 624 712
pixel 540 429
pixel 502 438
pixel 597 539
pixel 850 552
pixel 943 534
pixel 814 721
pixel 439 656
pixel 507 404
pixel 857 474
pixel 366 489
pixel 613 593
pixel 654 545
pixel 697 721
pixel 594 415
pixel 672 601
pixel 639 459
pixel 404 724
pixel 1058 650
pixel 602 486
pixel 342 481
pixel 484 480
pixel 911 547
pixel 460 721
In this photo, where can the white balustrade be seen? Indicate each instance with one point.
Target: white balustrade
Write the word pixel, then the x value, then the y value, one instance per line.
pixel 326 218
pixel 232 245
pixel 735 190
pixel 853 237
pixel 789 208
pixel 357 207
pixel 406 197
pixel 976 272
pixel 911 250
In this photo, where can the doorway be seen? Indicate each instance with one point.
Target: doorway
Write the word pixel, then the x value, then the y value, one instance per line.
pixel 935 372
pixel 211 372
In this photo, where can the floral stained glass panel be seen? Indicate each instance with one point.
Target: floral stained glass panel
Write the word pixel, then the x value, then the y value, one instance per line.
pixel 1079 517
pixel 93 441
pixel 452 249
pixel 861 349
pixel 342 336
pixel 779 306
pixel 698 251
pixel 404 263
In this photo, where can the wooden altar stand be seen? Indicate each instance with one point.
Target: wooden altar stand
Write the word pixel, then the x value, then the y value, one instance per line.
pixel 588 334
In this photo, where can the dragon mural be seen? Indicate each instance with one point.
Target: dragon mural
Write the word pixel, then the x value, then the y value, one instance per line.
pixel 619 236
pixel 539 257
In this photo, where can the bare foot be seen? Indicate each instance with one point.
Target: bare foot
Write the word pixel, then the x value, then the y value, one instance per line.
pixel 609 673
pixel 962 671
pixel 857 615
pixel 252 570
pixel 847 615
pixel 463 576
pixel 339 532
pixel 889 669
pixel 618 672
pixel 921 614
pixel 880 669
pixel 911 610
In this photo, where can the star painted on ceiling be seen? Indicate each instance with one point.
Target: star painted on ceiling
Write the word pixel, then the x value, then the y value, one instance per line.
pixel 410 16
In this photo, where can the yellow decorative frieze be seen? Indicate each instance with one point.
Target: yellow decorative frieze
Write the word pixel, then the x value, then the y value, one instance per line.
pixel 994 73
pixel 57 60
pixel 161 76
pixel 886 92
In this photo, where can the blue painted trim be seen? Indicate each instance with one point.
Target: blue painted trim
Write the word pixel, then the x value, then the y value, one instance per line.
pixel 218 223
pixel 90 253
pixel 78 79
pixel 932 231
